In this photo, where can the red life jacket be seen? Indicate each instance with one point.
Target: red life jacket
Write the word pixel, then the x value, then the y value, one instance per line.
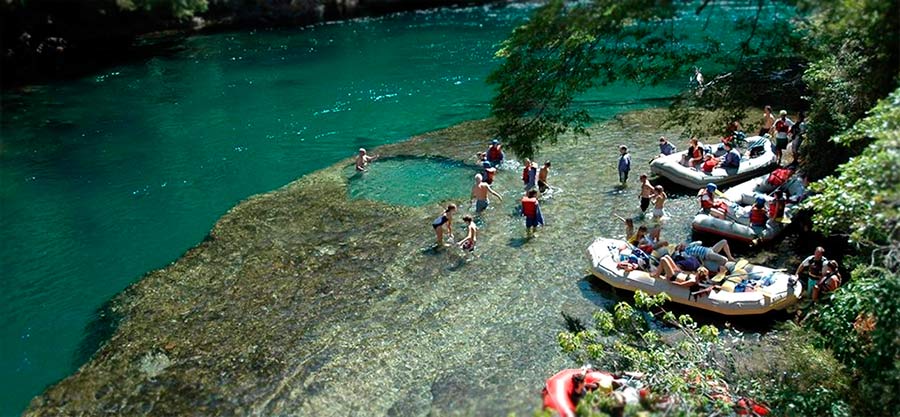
pixel 781 126
pixel 706 203
pixel 529 206
pixel 758 217
pixel 697 152
pixel 525 173
pixel 494 153
pixel 709 165
pixel 779 176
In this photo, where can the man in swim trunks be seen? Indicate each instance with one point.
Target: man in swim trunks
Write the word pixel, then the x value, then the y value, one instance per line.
pixel 812 268
pixel 468 243
pixel 542 178
pixel 480 193
pixel 444 220
pixel 647 192
pixel 659 200
pixel 363 159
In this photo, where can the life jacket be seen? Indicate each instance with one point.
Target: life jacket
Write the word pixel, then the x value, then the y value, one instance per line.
pixel 706 200
pixel 779 176
pixel 696 152
pixel 709 165
pixel 525 174
pixel 489 176
pixel 529 206
pixel 776 209
pixel 558 389
pixel 494 153
pixel 758 216
pixel 781 126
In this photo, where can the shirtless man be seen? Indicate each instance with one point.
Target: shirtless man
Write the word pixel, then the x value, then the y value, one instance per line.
pixel 480 193
pixel 659 201
pixel 363 159
pixel 647 191
pixel 767 122
pixel 542 178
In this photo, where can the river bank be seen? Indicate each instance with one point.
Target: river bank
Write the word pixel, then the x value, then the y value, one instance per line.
pixel 304 301
pixel 52 40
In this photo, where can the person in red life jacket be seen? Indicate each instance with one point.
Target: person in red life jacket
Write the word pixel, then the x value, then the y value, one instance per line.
pixel 709 163
pixel 782 127
pixel 709 204
pixel 525 169
pixel 489 171
pixel 694 155
pixel 532 211
pixel 776 208
pixel 758 215
pixel 495 153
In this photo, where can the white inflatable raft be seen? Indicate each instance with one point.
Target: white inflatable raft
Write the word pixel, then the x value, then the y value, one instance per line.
pixel 736 225
pixel 749 290
pixel 670 167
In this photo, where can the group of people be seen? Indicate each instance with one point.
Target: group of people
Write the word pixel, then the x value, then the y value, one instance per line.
pixel 784 130
pixel 535 182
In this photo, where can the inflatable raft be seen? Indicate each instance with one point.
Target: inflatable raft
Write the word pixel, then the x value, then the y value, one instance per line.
pixel 557 392
pixel 670 167
pixel 747 290
pixel 736 225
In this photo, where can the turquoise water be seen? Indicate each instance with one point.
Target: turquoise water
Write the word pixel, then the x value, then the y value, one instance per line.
pixel 105 178
pixel 412 181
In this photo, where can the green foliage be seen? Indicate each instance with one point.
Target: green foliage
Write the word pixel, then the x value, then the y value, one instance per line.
pixel 861 326
pixel 854 49
pixel 863 199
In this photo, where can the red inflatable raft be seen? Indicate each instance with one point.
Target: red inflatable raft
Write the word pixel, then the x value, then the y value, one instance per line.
pixel 559 388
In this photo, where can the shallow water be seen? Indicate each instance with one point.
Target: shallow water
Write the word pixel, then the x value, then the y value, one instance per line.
pixel 105 178
pixel 411 181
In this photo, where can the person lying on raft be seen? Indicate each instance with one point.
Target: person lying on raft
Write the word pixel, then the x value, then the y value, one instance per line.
pixel 705 253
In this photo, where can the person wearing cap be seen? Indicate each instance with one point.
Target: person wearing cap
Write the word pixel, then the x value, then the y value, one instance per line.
pixel 708 203
pixel 732 159
pixel 758 215
pixel 489 170
pixel 782 127
pixel 495 153
pixel 363 159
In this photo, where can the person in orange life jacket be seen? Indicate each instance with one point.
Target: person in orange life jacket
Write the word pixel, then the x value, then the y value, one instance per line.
pixel 782 127
pixel 495 153
pixel 709 205
pixel 776 208
pixel 830 281
pixel 732 159
pixel 758 216
pixel 532 211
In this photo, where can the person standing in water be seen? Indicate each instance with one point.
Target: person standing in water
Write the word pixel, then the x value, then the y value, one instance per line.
pixel 647 192
pixel 495 153
pixel 543 186
pixel 480 193
pixel 659 201
pixel 444 220
pixel 532 211
pixel 624 165
pixel 363 159
pixel 468 243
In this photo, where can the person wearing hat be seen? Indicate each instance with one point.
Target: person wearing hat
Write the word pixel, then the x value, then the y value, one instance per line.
pixel 782 127
pixel 495 153
pixel 709 204
pixel 363 159
pixel 758 215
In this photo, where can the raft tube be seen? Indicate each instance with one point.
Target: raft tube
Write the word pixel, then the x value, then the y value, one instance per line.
pixel 670 167
pixel 736 225
pixel 559 386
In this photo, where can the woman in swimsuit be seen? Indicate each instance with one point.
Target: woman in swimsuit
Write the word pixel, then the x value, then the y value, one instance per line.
pixel 446 218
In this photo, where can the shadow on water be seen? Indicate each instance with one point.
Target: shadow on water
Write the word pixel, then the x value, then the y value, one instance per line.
pixel 96 333
pixel 517 242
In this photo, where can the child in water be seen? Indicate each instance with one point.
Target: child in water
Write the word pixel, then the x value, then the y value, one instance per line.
pixel 468 243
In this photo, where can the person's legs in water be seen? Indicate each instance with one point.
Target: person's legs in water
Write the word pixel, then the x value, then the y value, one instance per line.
pixel 481 205
pixel 722 245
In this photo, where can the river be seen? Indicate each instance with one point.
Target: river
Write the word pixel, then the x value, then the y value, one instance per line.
pixel 105 178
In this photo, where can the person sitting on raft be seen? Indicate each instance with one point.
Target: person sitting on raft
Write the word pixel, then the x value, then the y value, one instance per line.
pixel 444 220
pixel 495 153
pixel 468 243
pixel 644 239
pixel 709 163
pixel 708 203
pixel 758 215
pixel 732 159
pixel 776 207
pixel 694 155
